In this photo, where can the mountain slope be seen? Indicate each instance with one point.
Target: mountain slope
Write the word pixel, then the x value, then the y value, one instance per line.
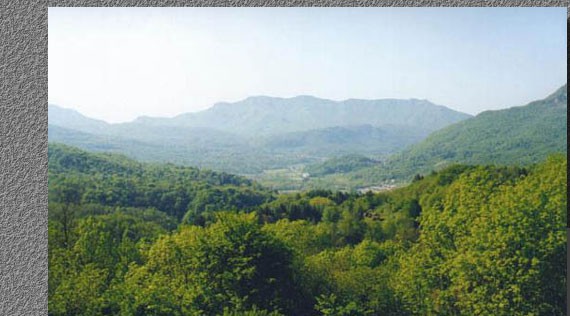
pixel 191 150
pixel 270 116
pixel 112 180
pixel 343 140
pixel 72 119
pixel 518 135
pixel 260 133
pixel 342 164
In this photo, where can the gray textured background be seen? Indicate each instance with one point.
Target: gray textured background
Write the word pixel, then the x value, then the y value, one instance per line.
pixel 23 133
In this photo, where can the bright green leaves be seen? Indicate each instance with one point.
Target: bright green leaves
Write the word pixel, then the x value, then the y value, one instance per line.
pixel 231 264
pixel 496 247
pixel 461 241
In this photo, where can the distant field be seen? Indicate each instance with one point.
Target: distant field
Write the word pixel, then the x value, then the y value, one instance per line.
pixel 286 179
pixel 296 179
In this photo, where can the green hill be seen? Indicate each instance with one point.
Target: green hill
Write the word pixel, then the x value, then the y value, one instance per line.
pixel 346 140
pixel 515 136
pixel 342 164
pixel 520 135
pixel 439 246
pixel 111 180
pixel 259 133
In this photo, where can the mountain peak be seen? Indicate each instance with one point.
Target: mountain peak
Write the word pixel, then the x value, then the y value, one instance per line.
pixel 525 134
pixel 305 97
pixel 562 92
pixel 70 118
pixel 265 98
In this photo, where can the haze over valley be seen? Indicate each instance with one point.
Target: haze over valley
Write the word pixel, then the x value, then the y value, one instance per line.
pixel 260 133
pixel 307 161
pixel 282 141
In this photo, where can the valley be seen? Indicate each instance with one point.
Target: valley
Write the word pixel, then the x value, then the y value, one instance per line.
pixel 127 237
pixel 260 135
pixel 350 157
pixel 282 161
pixel 318 222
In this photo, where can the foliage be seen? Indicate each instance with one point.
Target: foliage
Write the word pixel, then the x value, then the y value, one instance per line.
pixel 495 245
pixel 259 133
pixel 341 164
pixel 516 136
pixel 464 240
pixel 231 264
pixel 112 180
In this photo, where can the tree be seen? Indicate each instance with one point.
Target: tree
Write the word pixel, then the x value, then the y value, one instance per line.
pixel 496 246
pixel 230 264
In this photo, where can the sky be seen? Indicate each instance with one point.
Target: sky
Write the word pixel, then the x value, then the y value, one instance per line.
pixel 117 64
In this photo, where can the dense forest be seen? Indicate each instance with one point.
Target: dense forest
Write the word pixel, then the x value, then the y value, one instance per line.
pixel 130 238
pixel 295 144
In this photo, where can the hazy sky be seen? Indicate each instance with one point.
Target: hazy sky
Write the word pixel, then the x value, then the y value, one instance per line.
pixel 119 63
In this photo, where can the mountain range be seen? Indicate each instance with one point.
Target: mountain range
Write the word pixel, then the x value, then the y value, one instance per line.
pixel 520 135
pixel 366 142
pixel 261 132
pixel 264 115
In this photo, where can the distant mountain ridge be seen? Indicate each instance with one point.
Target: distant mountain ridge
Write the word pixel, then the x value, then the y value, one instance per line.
pixel 260 133
pixel 354 154
pixel 344 140
pixel 502 136
pixel 72 119
pixel 518 135
pixel 272 116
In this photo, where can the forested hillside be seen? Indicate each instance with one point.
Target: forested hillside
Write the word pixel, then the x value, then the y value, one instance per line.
pixel 518 135
pixel 259 133
pixel 138 239
pixel 342 164
pixel 346 140
pixel 79 177
pixel 515 136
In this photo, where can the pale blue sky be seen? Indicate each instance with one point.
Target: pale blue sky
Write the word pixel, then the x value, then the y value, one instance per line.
pixel 119 63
